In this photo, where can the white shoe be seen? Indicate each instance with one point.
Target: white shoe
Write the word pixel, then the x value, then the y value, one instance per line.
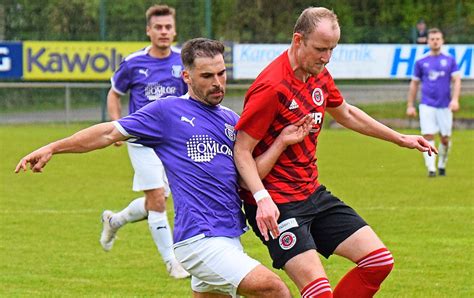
pixel 107 237
pixel 175 269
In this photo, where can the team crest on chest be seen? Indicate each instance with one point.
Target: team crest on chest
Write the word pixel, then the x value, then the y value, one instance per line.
pixel 230 132
pixel 287 240
pixel 318 97
pixel 176 71
pixel 443 62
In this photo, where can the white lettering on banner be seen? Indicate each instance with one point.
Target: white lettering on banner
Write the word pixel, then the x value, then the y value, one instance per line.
pixel 5 62
pixel 351 53
pixel 354 61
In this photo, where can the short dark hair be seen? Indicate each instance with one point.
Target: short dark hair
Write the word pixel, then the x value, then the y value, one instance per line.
pixel 434 30
pixel 200 47
pixel 158 11
pixel 310 18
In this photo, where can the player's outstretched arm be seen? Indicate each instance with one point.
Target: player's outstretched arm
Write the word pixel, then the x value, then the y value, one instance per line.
pixel 357 120
pixel 91 138
pixel 114 108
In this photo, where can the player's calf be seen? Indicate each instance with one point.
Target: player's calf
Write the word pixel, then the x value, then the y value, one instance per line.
pixel 365 279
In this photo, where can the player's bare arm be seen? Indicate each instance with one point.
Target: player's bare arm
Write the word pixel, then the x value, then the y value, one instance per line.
pixel 412 91
pixel 89 139
pixel 267 211
pixel 454 103
pixel 114 108
pixel 353 118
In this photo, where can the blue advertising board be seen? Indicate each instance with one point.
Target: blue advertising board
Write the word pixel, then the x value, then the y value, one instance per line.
pixel 11 60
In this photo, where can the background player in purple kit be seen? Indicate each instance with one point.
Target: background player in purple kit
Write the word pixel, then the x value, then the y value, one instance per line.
pixel 149 74
pixel 195 137
pixel 436 71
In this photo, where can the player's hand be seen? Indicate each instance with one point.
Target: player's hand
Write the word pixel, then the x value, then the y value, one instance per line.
pixel 418 142
pixel 37 160
pixel 454 106
pixel 295 133
pixel 118 143
pixel 267 216
pixel 411 112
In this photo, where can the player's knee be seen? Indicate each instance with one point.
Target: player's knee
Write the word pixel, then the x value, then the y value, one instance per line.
pixel 273 287
pixel 262 282
pixel 377 267
pixel 155 200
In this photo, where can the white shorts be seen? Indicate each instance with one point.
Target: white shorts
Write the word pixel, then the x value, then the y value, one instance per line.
pixel 149 170
pixel 216 264
pixel 435 120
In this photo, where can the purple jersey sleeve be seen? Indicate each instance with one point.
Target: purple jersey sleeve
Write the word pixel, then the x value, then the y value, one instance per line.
pixel 121 79
pixel 417 71
pixel 454 66
pixel 146 125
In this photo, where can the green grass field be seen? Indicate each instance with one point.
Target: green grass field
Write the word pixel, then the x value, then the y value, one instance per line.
pixel 50 222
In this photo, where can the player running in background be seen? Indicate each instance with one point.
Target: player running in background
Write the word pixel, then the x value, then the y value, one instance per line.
pixel 436 71
pixel 310 218
pixel 195 137
pixel 149 74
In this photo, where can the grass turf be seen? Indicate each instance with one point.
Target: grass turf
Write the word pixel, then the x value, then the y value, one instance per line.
pixel 50 222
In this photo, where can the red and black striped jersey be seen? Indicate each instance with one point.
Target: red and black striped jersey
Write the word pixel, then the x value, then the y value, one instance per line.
pixel 275 100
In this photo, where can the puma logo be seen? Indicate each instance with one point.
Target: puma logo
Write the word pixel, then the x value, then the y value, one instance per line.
pixel 184 119
pixel 144 72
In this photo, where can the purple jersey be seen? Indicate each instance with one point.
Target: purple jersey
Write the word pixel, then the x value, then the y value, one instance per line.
pixel 195 142
pixel 435 74
pixel 149 78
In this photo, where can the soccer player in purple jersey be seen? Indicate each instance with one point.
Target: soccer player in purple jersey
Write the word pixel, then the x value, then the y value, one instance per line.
pixel 149 74
pixel 195 137
pixel 436 71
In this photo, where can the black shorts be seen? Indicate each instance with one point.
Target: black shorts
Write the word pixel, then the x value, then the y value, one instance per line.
pixel 321 222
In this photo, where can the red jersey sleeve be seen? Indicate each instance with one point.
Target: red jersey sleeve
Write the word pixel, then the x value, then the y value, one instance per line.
pixel 260 109
pixel 335 98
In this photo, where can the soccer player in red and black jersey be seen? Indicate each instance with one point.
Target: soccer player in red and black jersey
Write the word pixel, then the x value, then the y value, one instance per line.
pixel 290 204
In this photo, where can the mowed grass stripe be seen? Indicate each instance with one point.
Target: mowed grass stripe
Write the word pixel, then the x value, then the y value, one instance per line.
pixel 50 222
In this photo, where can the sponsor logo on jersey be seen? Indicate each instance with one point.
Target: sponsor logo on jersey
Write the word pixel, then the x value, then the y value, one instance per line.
pixel 176 71
pixel 318 97
pixel 287 240
pixel 154 91
pixel 184 119
pixel 294 105
pixel 230 132
pixel 202 148
pixel 433 75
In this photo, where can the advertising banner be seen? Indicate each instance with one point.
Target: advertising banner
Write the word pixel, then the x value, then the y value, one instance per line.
pixel 11 64
pixel 354 61
pixel 64 60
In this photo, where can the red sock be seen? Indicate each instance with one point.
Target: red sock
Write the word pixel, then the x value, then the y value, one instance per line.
pixel 318 288
pixel 364 280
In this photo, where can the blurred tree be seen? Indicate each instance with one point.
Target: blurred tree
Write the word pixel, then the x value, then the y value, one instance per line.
pixel 257 21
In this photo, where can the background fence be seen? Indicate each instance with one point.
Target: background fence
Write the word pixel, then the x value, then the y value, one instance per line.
pixel 23 102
